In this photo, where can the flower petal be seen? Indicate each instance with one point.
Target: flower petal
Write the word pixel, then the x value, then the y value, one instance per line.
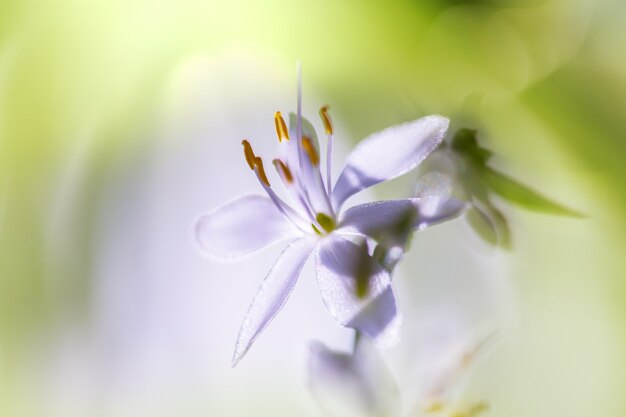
pixel 391 220
pixel 242 226
pixel 338 262
pixel 381 220
pixel 272 295
pixel 358 384
pixel 388 154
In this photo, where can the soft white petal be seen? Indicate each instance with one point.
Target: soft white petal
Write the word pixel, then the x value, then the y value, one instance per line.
pixel 391 220
pixel 439 211
pixel 384 219
pixel 434 185
pixel 337 263
pixel 352 385
pixel 379 319
pixel 273 293
pixel 436 204
pixel 242 226
pixel 388 154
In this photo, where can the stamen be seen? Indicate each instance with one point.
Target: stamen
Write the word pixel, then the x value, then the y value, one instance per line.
pixel 283 170
pixel 248 153
pixel 328 126
pixel 326 222
pixel 310 151
pixel 281 127
pixel 258 163
pixel 316 229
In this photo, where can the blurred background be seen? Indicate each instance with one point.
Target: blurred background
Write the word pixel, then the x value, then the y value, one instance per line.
pixel 121 122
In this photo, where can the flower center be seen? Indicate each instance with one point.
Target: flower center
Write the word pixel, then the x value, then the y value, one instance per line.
pixel 298 167
pixel 327 222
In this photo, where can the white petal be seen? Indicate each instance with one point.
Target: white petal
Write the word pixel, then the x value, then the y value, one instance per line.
pixel 337 262
pixel 388 154
pixel 273 293
pixel 242 226
pixel 436 204
pixel 391 220
pixel 434 211
pixel 347 385
pixel 433 184
pixel 384 219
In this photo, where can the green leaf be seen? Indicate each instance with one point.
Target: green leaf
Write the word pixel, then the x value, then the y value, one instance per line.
pixel 519 194
pixel 490 224
pixel 482 225
pixel 465 143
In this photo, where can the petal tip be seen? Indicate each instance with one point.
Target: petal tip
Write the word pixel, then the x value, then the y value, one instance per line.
pixel 238 354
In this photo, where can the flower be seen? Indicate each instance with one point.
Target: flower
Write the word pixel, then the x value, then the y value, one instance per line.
pixel 315 223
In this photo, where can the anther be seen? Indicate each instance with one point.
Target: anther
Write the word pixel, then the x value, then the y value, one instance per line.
pixel 284 170
pixel 316 230
pixel 328 126
pixel 310 151
pixel 281 127
pixel 248 153
pixel 258 162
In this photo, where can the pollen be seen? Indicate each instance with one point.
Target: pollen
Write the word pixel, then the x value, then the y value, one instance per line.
pixel 310 150
pixel 328 126
pixel 284 170
pixel 258 163
pixel 281 127
pixel 248 153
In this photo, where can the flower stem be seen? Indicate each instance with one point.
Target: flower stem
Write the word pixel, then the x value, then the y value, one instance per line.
pixel 357 338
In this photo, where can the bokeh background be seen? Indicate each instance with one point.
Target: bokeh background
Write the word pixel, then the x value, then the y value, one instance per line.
pixel 120 123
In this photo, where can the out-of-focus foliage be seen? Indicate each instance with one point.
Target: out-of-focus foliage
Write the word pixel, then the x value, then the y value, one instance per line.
pixel 466 164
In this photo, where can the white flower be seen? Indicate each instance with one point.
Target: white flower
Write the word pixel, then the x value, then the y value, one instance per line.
pixel 314 221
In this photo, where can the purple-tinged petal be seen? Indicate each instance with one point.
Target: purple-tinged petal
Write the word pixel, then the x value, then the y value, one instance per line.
pixel 357 384
pixel 241 227
pixel 436 204
pixel 338 262
pixel 379 319
pixel 445 210
pixel 272 295
pixel 388 154
pixel 380 219
pixel 391 220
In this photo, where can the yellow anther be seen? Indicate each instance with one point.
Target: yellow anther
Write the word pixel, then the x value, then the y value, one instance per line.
pixel 310 151
pixel 248 153
pixel 258 162
pixel 328 126
pixel 284 170
pixel 316 229
pixel 281 127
